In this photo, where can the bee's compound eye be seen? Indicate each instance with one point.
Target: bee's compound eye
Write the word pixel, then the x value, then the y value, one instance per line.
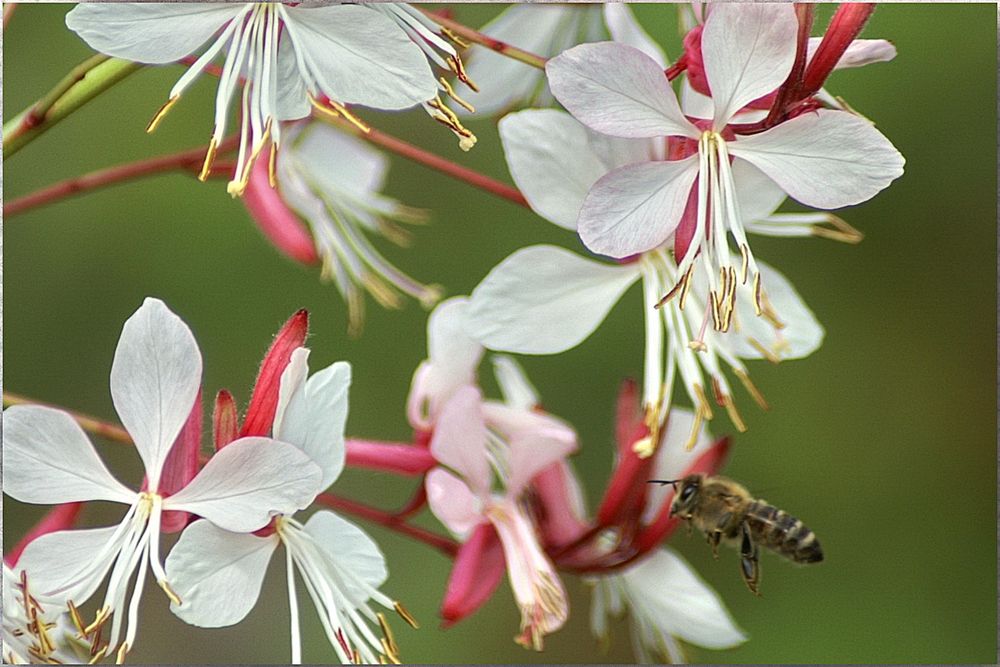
pixel 688 492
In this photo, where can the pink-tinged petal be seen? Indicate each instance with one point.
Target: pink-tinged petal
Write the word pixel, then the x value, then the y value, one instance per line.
pixel 400 459
pixel 247 482
pixel 516 388
pixel 225 420
pixel 827 159
pixel 628 415
pixel 47 459
pixel 264 401
pixel 459 439
pixel 544 299
pixel 60 517
pixel 149 32
pixel 625 29
pixel 452 502
pixel 684 234
pixel 181 466
pixel 627 489
pixel 859 53
pixel 278 222
pixel 636 208
pixel 618 90
pixel 478 570
pixel 748 51
pixel 563 515
pixel 155 379
pixel 453 357
pixel 536 442
pixel 217 574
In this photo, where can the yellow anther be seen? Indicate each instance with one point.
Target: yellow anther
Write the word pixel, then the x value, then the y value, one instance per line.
pixel 206 167
pixel 703 404
pixel 687 286
pixel 272 166
pixel 734 415
pixel 387 631
pixel 644 447
pixel 841 230
pixel 745 253
pixel 430 296
pixel 99 620
pixel 381 292
pixel 751 388
pixel 764 351
pixel 698 345
pixel 97 657
pixel 699 417
pixel 450 34
pixel 453 95
pixel 756 295
pixel 74 615
pixel 120 654
pixel 169 591
pixel 389 653
pixel 405 615
pixel 155 121
pixel 337 110
pixel 447 117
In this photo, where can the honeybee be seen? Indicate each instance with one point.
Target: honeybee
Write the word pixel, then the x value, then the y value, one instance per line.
pixel 726 512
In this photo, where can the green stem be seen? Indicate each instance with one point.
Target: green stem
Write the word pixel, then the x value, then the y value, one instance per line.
pixel 85 82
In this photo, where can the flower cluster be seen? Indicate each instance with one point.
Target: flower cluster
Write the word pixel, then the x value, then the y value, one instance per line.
pixel 665 171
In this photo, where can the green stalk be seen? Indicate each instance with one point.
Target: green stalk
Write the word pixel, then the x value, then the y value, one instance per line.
pixel 85 82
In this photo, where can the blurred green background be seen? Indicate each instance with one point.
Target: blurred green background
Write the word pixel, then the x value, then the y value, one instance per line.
pixel 883 440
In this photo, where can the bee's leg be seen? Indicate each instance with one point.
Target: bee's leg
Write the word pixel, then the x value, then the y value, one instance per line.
pixel 749 554
pixel 716 535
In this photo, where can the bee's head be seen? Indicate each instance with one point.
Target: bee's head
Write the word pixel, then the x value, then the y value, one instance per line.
pixel 686 495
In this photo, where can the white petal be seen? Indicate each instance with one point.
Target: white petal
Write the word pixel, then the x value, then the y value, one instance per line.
pixel 748 51
pixel 350 548
pixel 68 564
pixel 637 207
pixel 625 29
pixel 536 28
pixel 802 334
pixel 361 56
pixel 543 299
pixel 459 440
pixel 859 53
pixel 452 502
pixel 149 32
pixel 617 90
pixel 675 599
pixel 825 159
pixel 757 194
pixel 293 101
pixel 47 459
pixel 338 162
pixel 217 574
pixel 554 160
pixel 449 345
pixel 155 378
pixel 315 414
pixel 247 482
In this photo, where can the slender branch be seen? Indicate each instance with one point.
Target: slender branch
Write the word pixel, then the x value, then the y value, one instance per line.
pixel 87 422
pixel 189 160
pixel 444 544
pixel 428 159
pixel 476 37
pixel 85 82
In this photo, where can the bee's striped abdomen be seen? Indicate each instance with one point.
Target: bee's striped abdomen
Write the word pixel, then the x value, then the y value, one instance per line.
pixel 782 533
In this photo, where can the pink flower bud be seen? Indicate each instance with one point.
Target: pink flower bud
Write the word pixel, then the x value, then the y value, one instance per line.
pixel 478 569
pixel 264 401
pixel 225 420
pixel 181 466
pixel 60 517
pixel 278 222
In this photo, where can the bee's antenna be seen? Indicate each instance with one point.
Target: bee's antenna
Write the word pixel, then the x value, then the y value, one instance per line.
pixel 664 482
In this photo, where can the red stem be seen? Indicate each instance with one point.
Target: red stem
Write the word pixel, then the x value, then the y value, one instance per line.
pixel 444 544
pixel 190 160
pixel 400 459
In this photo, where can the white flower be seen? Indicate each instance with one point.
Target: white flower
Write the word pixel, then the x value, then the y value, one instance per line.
pixel 289 56
pixel 219 573
pixel 155 378
pixel 545 30
pixel 332 180
pixel 665 600
pixel 827 159
pixel 544 299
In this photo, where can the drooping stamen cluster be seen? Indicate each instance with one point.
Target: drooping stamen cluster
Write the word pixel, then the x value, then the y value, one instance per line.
pixel 342 599
pixel 692 347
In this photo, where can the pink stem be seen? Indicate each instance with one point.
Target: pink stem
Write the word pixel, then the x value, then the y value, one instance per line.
pixel 444 544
